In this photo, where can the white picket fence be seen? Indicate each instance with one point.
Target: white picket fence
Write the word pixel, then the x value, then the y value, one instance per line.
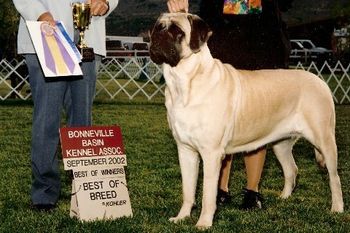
pixel 134 77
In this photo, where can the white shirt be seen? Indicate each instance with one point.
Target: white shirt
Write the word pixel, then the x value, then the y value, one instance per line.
pixel 95 36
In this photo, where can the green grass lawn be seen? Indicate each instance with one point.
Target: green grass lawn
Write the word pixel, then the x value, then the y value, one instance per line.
pixel 154 180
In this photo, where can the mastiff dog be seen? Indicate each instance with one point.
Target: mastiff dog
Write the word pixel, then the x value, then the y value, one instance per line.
pixel 214 109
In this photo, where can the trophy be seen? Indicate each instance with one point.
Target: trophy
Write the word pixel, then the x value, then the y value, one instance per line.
pixel 81 20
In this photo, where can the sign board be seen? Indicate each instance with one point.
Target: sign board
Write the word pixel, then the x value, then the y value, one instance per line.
pixel 100 198
pixel 84 147
pixel 100 172
pixel 97 158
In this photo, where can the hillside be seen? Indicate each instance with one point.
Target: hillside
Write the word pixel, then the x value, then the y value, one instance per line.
pixel 133 17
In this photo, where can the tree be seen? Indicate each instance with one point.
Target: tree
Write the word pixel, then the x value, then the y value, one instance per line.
pixel 341 8
pixel 9 18
pixel 341 33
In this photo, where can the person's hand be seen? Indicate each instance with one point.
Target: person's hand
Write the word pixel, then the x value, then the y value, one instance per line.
pixel 99 7
pixel 177 6
pixel 47 17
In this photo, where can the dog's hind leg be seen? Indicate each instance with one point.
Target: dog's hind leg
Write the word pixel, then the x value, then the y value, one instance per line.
pixel 329 150
pixel 319 130
pixel 319 158
pixel 189 164
pixel 283 152
pixel 211 171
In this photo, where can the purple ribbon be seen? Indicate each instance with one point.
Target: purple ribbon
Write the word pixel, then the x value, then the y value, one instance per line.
pixel 49 60
pixel 66 57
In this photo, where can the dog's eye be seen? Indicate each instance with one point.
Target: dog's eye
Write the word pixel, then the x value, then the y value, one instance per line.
pixel 176 32
pixel 160 27
pixel 179 37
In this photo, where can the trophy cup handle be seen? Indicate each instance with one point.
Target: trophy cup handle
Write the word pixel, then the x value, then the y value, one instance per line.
pixel 81 20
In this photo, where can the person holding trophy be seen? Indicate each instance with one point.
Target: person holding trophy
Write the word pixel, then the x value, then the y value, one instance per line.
pixel 84 21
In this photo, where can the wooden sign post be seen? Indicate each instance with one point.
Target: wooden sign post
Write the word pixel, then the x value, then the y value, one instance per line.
pixel 97 158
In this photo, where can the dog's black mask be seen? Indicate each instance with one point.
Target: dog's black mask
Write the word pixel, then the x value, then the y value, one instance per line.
pixel 166 44
pixel 166 41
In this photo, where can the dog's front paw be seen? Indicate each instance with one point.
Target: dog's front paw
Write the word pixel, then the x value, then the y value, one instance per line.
pixel 338 207
pixel 205 221
pixel 285 194
pixel 184 212
pixel 203 225
pixel 177 218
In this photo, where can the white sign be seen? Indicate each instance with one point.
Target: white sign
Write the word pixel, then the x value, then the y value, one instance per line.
pixel 97 199
pixel 97 158
pixel 100 172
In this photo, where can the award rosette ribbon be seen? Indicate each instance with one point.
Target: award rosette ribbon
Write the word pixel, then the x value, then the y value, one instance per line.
pixel 57 58
pixel 81 20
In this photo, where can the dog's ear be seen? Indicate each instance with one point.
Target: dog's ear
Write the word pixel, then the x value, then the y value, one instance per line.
pixel 200 32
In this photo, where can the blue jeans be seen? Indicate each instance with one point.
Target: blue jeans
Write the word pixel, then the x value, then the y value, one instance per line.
pixel 49 98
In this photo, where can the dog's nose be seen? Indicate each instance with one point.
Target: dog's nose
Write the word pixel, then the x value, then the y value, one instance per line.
pixel 155 51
